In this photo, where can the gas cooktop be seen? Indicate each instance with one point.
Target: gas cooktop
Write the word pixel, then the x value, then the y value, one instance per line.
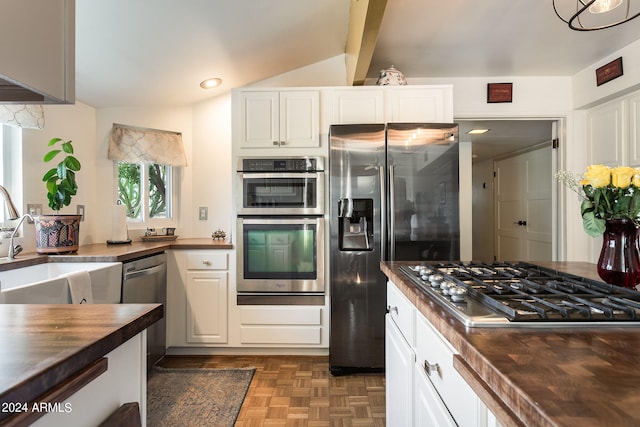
pixel 524 295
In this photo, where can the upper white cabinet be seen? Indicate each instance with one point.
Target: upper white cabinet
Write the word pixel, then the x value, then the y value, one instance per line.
pixel 38 51
pixel 287 118
pixel 397 104
pixel 613 132
pixel 408 104
pixel 606 134
pixel 357 105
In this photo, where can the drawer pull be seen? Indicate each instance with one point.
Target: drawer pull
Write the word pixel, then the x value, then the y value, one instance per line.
pixel 428 368
pixel 206 262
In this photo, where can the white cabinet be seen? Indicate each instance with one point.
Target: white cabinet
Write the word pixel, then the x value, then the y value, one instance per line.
pixel 280 325
pixel 407 104
pixel 198 298
pixel 422 386
pixel 613 132
pixel 606 134
pixel 399 358
pixel 357 105
pixel 287 118
pixel 434 362
pixel 399 104
pixel 38 51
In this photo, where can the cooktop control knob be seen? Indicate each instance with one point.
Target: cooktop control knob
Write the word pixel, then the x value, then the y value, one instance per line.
pixel 457 293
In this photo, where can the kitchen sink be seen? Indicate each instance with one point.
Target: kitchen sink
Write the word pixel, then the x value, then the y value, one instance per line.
pixel 43 284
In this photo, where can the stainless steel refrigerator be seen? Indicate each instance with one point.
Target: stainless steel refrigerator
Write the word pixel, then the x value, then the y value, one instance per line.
pixel 393 192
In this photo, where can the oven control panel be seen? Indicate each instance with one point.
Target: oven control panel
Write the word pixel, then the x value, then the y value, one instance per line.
pixel 280 164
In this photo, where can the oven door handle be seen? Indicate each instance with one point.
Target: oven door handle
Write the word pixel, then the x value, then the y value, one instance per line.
pixel 267 175
pixel 271 220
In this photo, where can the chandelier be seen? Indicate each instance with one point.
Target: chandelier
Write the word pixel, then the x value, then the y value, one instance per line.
pixel 590 15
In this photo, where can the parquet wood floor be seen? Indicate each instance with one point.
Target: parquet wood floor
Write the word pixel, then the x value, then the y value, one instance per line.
pixel 299 391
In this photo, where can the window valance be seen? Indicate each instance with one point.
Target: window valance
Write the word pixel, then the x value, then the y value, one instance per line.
pixel 141 145
pixel 23 116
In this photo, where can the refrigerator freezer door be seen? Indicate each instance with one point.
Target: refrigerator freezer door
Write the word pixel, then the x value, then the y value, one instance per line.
pixel 357 287
pixel 423 191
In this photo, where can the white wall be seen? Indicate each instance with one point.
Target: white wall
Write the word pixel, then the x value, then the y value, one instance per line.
pixel 75 122
pixel 586 93
pixel 482 191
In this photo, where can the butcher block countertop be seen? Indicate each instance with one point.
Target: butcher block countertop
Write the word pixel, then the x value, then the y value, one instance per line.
pixel 588 376
pixel 42 345
pixel 103 252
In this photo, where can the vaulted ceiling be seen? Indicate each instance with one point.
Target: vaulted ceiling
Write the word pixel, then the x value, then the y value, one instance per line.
pixel 156 52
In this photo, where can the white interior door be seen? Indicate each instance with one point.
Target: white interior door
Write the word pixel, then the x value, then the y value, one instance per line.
pixel 524 206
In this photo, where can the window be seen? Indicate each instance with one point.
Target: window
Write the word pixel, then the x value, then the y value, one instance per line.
pixel 147 191
pixel 7 135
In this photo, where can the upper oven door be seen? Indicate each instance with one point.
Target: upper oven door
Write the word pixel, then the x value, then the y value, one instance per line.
pixel 281 193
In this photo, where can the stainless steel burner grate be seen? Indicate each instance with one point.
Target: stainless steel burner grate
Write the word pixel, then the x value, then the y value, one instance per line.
pixel 518 293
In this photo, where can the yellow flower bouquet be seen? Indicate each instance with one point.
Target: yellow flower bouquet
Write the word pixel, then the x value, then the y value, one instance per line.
pixel 608 193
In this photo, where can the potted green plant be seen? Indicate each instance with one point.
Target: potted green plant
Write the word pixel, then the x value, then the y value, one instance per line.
pixel 59 233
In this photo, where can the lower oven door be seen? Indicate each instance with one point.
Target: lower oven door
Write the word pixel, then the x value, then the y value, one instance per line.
pixel 280 255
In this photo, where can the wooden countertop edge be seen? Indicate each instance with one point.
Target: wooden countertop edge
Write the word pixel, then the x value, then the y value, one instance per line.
pixel 525 412
pixel 38 384
pixel 102 252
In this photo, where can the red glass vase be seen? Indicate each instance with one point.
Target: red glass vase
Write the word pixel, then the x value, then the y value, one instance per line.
pixel 619 262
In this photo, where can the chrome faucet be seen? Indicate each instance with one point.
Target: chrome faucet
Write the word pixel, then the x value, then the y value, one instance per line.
pixel 15 250
pixel 11 208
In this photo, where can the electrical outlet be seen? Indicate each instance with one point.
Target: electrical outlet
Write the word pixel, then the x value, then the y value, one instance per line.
pixel 33 209
pixel 204 213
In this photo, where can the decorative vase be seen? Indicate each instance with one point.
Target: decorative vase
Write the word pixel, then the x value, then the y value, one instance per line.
pixel 57 234
pixel 391 77
pixel 619 262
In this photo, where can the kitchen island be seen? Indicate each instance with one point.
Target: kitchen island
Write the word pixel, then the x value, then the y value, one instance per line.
pixel 567 376
pixel 48 351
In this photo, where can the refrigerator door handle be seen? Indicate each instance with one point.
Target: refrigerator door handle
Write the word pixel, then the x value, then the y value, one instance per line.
pixel 383 214
pixel 392 214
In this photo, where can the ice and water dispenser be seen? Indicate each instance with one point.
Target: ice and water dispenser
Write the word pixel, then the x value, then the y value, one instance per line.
pixel 355 229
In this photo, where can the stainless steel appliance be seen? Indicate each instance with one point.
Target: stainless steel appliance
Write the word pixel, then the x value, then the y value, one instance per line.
pixel 281 186
pixel 393 192
pixel 524 295
pixel 280 256
pixel 144 280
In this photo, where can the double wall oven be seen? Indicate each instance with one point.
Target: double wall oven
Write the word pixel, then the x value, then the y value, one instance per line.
pixel 280 230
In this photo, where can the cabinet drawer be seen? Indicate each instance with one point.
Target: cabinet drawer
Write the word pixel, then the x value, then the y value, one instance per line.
pixel 280 315
pixel 402 312
pixel 434 356
pixel 207 261
pixel 280 335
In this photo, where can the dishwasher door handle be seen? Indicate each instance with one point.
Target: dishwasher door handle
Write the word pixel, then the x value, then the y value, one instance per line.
pixel 145 272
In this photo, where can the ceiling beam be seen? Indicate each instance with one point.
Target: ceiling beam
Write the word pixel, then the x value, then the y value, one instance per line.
pixel 365 17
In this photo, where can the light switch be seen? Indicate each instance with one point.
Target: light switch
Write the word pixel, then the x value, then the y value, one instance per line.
pixel 204 213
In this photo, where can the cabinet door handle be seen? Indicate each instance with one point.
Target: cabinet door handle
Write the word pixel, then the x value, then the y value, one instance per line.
pixel 283 142
pixel 390 309
pixel 428 368
pixel 276 143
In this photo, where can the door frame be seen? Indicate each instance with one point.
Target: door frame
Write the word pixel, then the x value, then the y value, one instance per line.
pixel 558 158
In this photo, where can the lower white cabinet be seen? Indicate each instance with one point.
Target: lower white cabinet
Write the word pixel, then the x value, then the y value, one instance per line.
pixel 399 361
pixel 197 298
pixel 422 386
pixel 207 306
pixel 280 325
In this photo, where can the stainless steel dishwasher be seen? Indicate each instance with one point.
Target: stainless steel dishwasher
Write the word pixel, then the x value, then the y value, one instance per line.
pixel 144 280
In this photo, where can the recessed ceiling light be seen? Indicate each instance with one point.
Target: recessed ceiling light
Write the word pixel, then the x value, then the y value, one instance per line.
pixel 478 131
pixel 210 83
